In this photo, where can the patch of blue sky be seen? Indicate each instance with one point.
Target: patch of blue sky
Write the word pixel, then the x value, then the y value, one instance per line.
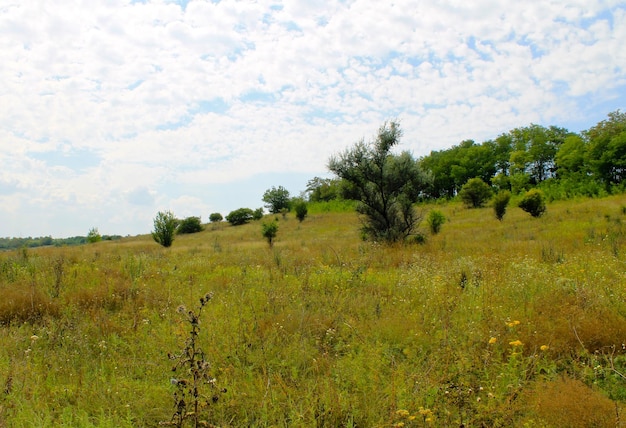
pixel 134 85
pixel 292 26
pixel 258 97
pixel 76 159
pixel 276 7
pixel 216 105
pixel 171 126
pixel 317 114
pixel 534 49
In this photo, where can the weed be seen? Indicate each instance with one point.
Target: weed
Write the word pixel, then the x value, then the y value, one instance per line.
pixel 193 374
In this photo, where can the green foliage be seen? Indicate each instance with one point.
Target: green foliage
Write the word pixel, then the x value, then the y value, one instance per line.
pixel 269 231
pixel 257 214
pixel 475 193
pixel 94 236
pixel 386 185
pixel 435 220
pixel 190 225
pixel 607 149
pixel 240 216
pixel 215 217
pixel 164 228
pixel 323 189
pixel 301 209
pixel 500 202
pixel 276 199
pixel 533 203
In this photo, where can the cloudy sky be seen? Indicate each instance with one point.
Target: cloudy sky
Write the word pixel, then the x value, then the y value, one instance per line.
pixel 113 110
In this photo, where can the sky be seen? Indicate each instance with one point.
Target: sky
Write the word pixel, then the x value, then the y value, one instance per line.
pixel 114 110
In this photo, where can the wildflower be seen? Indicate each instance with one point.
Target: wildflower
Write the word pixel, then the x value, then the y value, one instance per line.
pixel 493 340
pixel 399 424
pixel 544 347
pixel 516 343
pixel 34 337
pixel 512 323
pixel 402 413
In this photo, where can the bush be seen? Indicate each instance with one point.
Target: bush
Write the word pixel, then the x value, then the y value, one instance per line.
pixel 269 231
pixel 301 209
pixel 533 203
pixel 475 193
pixel 190 225
pixel 500 202
pixel 215 218
pixel 164 228
pixel 93 236
pixel 257 214
pixel 240 216
pixel 435 220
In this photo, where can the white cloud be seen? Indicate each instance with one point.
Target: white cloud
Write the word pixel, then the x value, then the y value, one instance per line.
pixel 169 100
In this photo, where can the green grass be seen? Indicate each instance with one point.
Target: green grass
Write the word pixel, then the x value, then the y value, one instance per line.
pixel 492 323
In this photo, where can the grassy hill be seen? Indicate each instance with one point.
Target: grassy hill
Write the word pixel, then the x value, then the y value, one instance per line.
pixel 513 323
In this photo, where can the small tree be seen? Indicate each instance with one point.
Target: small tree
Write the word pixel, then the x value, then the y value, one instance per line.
pixel 240 216
pixel 475 193
pixel 386 185
pixel 215 218
pixel 93 235
pixel 269 231
pixel 257 214
pixel 301 209
pixel 436 219
pixel 164 228
pixel 276 199
pixel 533 203
pixel 500 202
pixel 190 225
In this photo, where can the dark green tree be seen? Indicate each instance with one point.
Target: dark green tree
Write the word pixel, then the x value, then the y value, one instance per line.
pixel 386 185
pixel 190 225
pixel 240 216
pixel 216 218
pixel 269 231
pixel 164 228
pixel 257 214
pixel 475 193
pixel 323 189
pixel 533 203
pixel 607 149
pixel 276 199
pixel 301 209
pixel 500 202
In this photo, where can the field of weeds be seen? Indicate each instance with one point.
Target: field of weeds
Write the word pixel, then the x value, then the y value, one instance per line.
pixel 513 323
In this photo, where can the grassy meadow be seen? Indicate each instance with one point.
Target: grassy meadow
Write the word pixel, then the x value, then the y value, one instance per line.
pixel 513 323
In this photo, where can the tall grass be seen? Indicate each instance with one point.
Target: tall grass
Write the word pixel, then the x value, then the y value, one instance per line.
pixel 488 323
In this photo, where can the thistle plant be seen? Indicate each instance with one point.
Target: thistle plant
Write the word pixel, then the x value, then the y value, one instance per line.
pixel 193 374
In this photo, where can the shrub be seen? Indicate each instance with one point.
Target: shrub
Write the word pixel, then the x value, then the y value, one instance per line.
pixel 475 193
pixel 240 216
pixel 164 228
pixel 215 218
pixel 94 236
pixel 500 202
pixel 435 220
pixel 533 203
pixel 269 231
pixel 257 214
pixel 301 209
pixel 190 225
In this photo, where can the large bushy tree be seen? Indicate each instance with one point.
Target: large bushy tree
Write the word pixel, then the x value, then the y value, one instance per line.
pixel 385 184
pixel 276 199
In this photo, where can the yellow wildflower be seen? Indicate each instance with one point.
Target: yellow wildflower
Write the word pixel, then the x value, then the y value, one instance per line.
pixel 512 323
pixel 544 347
pixel 493 340
pixel 516 343
pixel 402 413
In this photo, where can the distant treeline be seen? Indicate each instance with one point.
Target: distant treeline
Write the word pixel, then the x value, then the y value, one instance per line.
pixel 43 241
pixel 562 164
